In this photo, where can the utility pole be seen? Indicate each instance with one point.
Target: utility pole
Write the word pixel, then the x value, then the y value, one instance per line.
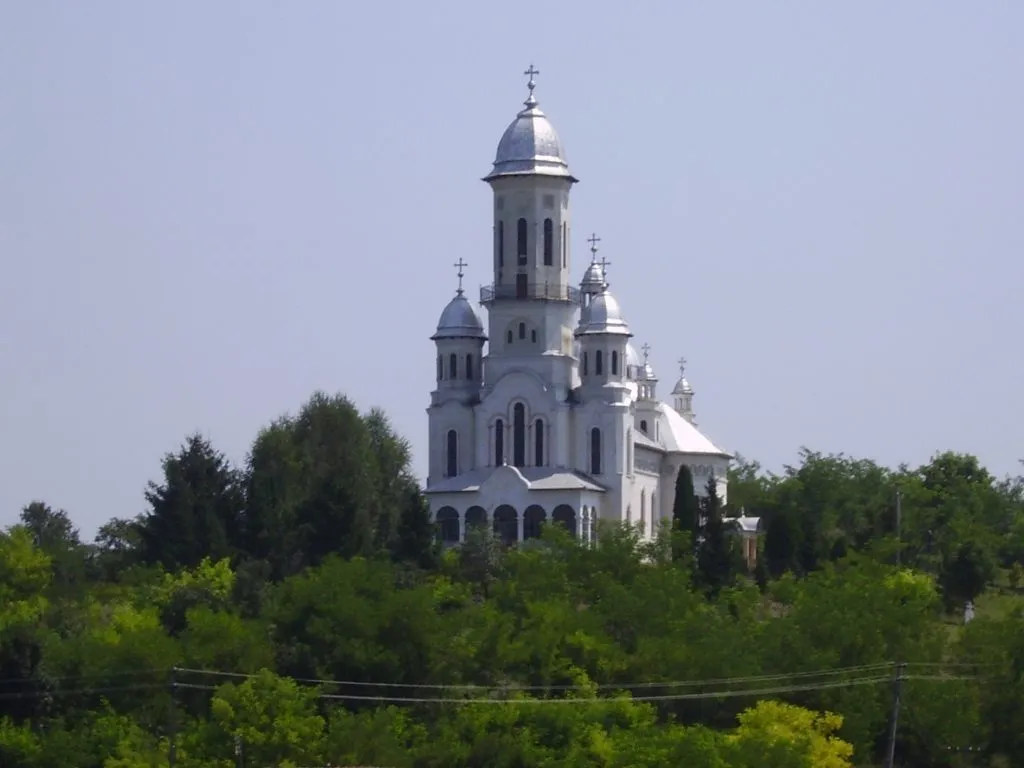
pixel 897 692
pixel 172 720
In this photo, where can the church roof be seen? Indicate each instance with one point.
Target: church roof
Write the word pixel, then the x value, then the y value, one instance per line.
pixel 603 315
pixel 530 145
pixel 538 479
pixel 677 435
pixel 459 320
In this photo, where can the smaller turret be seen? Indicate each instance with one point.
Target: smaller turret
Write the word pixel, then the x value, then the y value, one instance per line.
pixel 682 395
pixel 460 341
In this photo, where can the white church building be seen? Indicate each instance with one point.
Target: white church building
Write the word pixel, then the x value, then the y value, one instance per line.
pixel 551 415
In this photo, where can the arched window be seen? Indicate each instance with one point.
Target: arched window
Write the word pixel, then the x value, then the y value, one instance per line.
pixel 521 240
pixel 615 363
pixel 469 367
pixel 538 443
pixel 501 243
pixel 453 454
pixel 549 242
pixel 585 361
pixel 499 443
pixel 440 367
pixel 508 336
pixel 453 364
pixel 533 336
pixel 565 247
pixel 519 435
pixel 522 330
pixel 598 362
pixel 595 451
pixel 643 426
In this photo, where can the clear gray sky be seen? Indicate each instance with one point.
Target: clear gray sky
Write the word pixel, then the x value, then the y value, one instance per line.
pixel 208 210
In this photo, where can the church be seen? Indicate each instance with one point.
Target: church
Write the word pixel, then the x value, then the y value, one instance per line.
pixel 551 414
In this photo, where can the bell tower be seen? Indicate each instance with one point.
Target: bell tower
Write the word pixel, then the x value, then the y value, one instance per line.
pixel 530 303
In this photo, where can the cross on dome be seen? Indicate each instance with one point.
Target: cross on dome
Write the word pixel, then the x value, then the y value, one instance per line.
pixel 593 240
pixel 531 83
pixel 646 349
pixel 682 365
pixel 460 264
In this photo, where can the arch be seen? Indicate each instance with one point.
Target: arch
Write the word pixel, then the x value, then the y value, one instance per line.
pixel 452 453
pixel 506 524
pixel 476 517
pixel 499 443
pixel 447 522
pixel 643 426
pixel 595 451
pixel 469 366
pixel 538 443
pixel 501 243
pixel 453 365
pixel 549 242
pixel 519 435
pixel 521 247
pixel 565 516
pixel 615 363
pixel 598 362
pixel 533 520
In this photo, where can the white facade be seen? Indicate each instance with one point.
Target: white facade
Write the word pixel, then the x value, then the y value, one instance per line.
pixel 554 417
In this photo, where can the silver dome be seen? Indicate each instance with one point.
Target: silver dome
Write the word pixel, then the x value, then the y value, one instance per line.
pixel 632 356
pixel 593 279
pixel 459 321
pixel 682 387
pixel 603 315
pixel 530 145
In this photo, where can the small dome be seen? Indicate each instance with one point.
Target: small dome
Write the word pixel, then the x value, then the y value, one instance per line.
pixel 593 279
pixel 647 374
pixel 603 315
pixel 632 356
pixel 459 321
pixel 682 387
pixel 530 145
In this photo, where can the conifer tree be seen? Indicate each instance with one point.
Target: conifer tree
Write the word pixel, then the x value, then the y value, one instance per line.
pixel 685 513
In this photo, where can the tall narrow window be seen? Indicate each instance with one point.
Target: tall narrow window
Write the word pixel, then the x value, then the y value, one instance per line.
pixel 453 453
pixel 615 363
pixel 501 243
pixel 598 362
pixel 538 440
pixel 519 435
pixel 453 365
pixel 522 330
pixel 499 443
pixel 440 367
pixel 549 242
pixel 469 367
pixel 508 336
pixel 521 240
pixel 585 362
pixel 565 247
pixel 595 451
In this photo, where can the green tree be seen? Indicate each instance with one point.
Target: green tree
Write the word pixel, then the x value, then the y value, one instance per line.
pixel 716 555
pixel 196 512
pixel 685 514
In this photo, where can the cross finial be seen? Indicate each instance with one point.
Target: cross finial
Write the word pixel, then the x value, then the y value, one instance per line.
pixel 646 349
pixel 593 240
pixel 531 83
pixel 682 365
pixel 459 265
pixel 604 267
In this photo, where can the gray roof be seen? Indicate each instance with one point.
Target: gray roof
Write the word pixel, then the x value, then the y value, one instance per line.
pixel 538 478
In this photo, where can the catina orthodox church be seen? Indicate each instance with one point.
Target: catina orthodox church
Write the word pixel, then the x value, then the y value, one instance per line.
pixel 551 415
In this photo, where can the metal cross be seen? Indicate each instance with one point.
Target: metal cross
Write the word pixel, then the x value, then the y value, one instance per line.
pixel 682 365
pixel 530 73
pixel 593 240
pixel 604 266
pixel 646 349
pixel 459 265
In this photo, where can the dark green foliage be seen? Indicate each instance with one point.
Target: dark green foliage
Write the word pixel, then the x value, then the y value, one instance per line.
pixel 319 562
pixel 196 512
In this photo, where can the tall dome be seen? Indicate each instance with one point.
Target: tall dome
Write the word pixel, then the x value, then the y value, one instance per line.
pixel 530 145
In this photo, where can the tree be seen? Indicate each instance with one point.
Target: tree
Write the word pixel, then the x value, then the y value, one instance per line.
pixel 716 556
pixel 685 513
pixel 196 512
pixel 54 534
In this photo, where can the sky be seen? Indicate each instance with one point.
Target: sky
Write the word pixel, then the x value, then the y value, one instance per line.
pixel 209 210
